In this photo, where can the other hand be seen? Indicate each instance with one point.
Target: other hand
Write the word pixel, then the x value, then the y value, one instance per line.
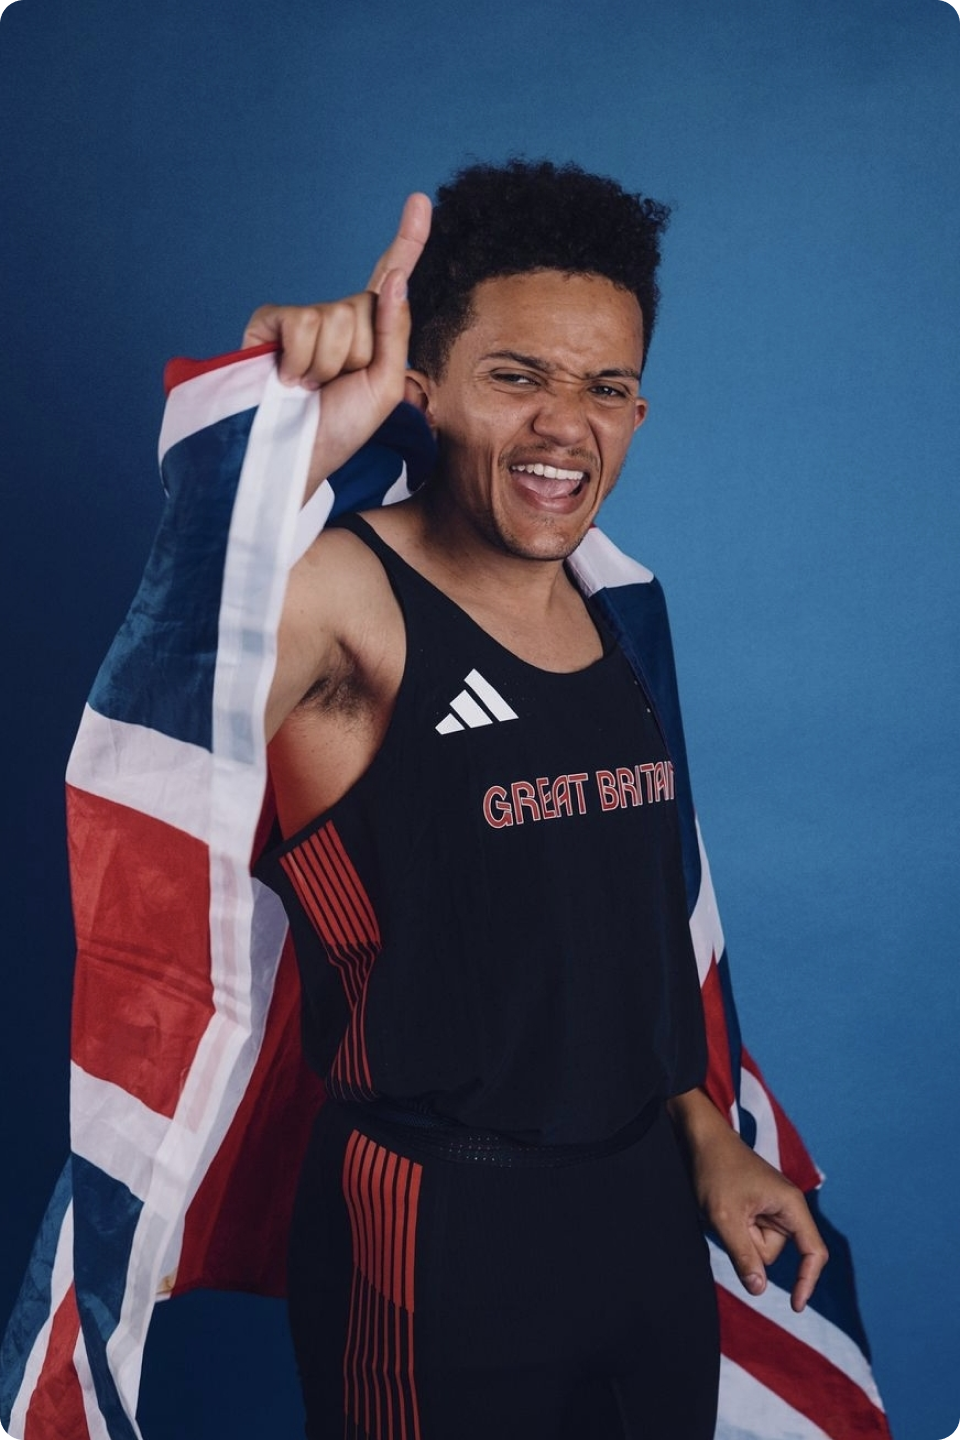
pixel 753 1208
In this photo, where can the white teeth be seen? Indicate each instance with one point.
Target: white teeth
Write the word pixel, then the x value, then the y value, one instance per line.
pixel 551 472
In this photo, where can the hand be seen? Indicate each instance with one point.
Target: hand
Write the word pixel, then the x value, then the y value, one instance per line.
pixel 753 1208
pixel 355 349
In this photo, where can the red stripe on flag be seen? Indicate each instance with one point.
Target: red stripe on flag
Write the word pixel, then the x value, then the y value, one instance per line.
pixel 131 876
pixel 719 1082
pixel 180 368
pixel 800 1375
pixel 56 1407
pixel 250 1186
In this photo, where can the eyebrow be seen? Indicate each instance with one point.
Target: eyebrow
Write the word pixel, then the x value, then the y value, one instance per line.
pixel 533 362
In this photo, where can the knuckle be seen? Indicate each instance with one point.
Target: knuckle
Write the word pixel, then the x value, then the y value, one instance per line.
pixel 300 320
pixel 338 312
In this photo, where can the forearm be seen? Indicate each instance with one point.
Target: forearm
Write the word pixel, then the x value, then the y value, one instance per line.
pixel 699 1124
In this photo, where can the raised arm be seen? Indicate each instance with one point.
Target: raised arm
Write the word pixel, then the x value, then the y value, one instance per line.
pixel 354 351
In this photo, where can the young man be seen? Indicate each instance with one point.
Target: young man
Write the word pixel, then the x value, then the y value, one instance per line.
pixel 496 1234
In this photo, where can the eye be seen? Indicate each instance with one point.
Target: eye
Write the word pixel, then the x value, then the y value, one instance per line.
pixel 516 378
pixel 609 392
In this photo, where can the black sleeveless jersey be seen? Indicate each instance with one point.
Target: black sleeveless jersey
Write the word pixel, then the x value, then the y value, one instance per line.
pixel 492 921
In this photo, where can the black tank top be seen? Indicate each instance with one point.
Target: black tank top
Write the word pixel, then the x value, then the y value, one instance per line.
pixel 492 922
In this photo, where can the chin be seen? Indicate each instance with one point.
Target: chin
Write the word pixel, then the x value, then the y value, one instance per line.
pixel 548 545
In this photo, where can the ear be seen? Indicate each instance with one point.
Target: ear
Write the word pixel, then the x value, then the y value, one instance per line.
pixel 640 413
pixel 416 391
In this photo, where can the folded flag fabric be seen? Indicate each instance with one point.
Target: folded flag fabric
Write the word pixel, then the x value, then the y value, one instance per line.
pixel 188 1092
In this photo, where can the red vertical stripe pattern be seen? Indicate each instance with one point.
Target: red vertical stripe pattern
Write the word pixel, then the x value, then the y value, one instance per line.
pixel 332 893
pixel 382 1190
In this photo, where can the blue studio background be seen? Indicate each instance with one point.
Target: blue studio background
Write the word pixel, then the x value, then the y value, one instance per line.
pixel 166 168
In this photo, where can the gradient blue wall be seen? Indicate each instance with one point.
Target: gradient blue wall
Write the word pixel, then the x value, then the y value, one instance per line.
pixel 166 168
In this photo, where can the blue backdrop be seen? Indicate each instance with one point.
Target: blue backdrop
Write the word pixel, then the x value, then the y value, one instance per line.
pixel 165 169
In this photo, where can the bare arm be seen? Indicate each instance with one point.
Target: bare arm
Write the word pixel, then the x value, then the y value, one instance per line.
pixel 354 351
pixel 752 1207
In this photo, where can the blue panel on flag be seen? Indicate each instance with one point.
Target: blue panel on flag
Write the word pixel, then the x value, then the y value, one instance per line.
pixel 105 1217
pixel 638 614
pixel 403 438
pixel 733 1025
pixel 363 481
pixel 160 668
pixel 32 1310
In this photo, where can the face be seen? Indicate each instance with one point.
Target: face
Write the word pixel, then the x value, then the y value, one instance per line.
pixel 536 409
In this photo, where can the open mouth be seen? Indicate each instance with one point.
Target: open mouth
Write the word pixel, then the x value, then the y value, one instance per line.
pixel 550 482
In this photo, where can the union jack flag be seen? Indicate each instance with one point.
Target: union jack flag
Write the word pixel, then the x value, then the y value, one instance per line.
pixel 187 1081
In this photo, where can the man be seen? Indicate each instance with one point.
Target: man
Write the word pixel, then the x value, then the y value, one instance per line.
pixel 503 1009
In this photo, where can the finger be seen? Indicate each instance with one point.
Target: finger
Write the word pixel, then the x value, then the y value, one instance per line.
pixel 318 343
pixel 294 329
pixel 298 334
pixel 391 337
pixel 406 247
pixel 343 341
pixel 814 1255
pixel 263 327
pixel 769 1242
pixel 793 1220
pixel 745 1257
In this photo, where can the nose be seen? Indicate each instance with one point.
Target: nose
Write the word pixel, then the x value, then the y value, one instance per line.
pixel 560 418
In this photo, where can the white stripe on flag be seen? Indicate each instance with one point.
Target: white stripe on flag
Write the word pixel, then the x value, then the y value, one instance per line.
pixel 213 396
pixel 493 700
pixel 754 1098
pixel 400 489
pixel 597 563
pixel 311 519
pixel 813 1329
pixel 114 1130
pixel 705 927
pixel 749 1411
pixel 96 1424
pixel 167 779
pixel 61 1279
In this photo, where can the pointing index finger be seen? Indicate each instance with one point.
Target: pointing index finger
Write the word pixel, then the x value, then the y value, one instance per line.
pixel 406 247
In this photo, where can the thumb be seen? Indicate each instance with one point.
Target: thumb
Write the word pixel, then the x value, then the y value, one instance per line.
pixel 391 335
pixel 748 1263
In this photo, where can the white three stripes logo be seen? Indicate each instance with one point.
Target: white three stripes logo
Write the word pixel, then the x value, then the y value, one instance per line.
pixel 471 713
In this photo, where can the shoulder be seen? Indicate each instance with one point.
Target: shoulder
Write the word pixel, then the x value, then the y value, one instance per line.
pixel 338 578
pixel 342 586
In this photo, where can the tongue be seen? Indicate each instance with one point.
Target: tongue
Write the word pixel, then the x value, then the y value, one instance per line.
pixel 549 489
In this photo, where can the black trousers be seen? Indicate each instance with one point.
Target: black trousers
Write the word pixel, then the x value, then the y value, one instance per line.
pixel 465 1299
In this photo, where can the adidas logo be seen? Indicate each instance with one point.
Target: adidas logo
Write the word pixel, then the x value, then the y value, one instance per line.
pixel 467 711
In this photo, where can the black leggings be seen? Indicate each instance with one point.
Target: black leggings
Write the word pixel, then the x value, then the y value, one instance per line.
pixel 439 1299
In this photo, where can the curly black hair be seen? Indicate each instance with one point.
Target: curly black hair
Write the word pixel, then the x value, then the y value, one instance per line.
pixel 493 220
